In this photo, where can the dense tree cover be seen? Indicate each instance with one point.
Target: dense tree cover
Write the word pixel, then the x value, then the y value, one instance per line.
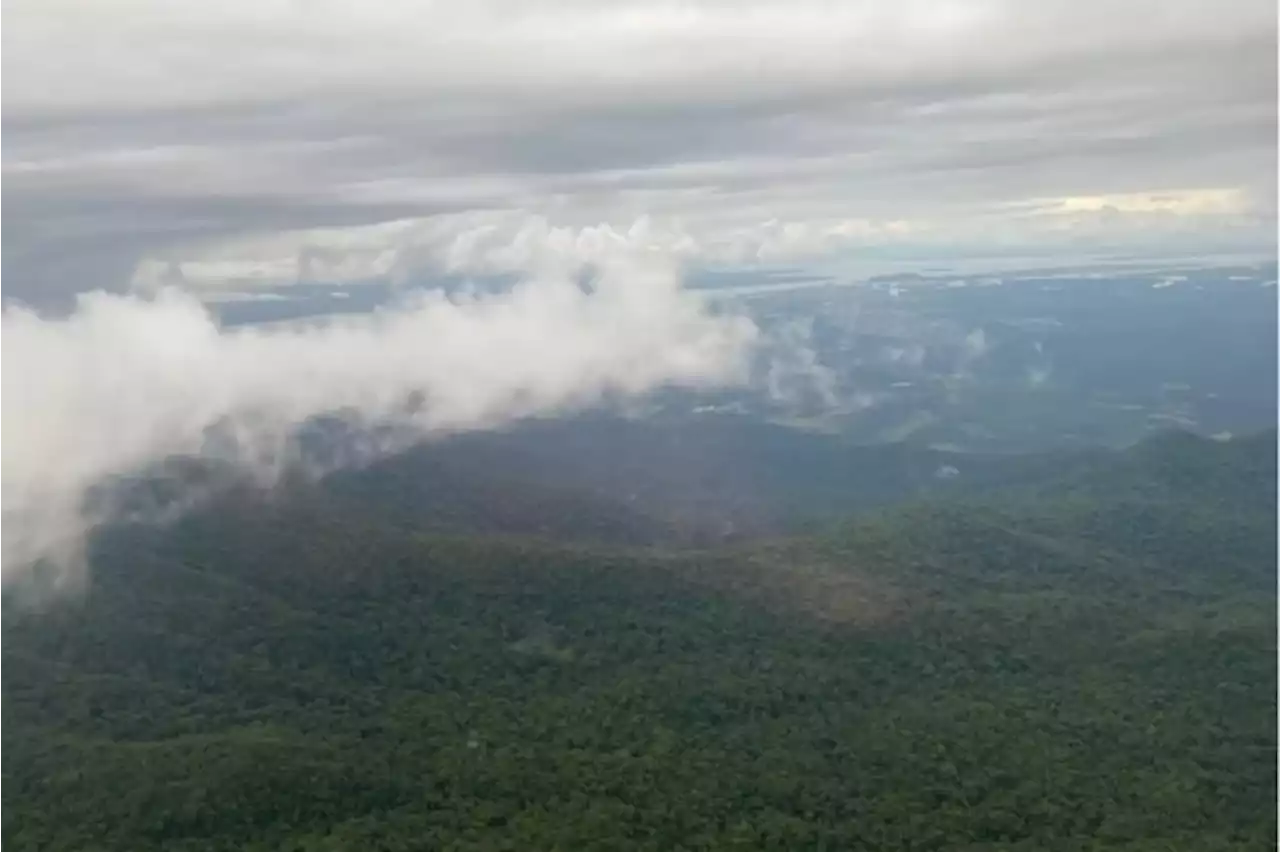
pixel 659 480
pixel 1087 664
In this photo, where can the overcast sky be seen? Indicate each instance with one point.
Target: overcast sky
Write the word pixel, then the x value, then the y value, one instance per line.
pixel 355 138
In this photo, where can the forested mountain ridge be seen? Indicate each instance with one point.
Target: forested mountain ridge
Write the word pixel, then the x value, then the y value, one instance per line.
pixel 657 482
pixel 1084 661
pixel 634 482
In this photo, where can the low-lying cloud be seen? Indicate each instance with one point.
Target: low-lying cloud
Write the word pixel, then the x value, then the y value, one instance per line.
pixel 125 382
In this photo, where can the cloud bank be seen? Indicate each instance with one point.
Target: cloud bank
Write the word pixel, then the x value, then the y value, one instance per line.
pixel 125 382
pixel 758 129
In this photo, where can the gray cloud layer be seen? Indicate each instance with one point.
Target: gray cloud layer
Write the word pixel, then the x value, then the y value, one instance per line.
pixel 132 129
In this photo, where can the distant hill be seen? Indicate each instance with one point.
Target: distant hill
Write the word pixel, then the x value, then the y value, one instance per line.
pixel 649 480
pixel 717 478
pixel 652 481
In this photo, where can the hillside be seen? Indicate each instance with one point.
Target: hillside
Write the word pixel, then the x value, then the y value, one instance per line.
pixel 1084 661
pixel 610 480
pixel 699 481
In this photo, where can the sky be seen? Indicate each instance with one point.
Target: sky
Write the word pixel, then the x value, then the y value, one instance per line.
pixel 592 153
pixel 147 142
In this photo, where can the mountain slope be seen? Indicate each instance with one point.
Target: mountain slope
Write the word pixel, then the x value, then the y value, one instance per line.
pixel 637 481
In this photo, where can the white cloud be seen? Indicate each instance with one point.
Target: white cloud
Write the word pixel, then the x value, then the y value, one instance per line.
pixel 125 382
pixel 499 241
pixel 794 376
pixel 975 346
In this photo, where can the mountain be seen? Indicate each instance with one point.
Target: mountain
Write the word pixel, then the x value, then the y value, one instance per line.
pixel 605 479
pixel 1080 658
pixel 656 480
pixel 636 481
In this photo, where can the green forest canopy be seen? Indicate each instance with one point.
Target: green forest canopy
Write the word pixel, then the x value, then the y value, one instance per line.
pixel 1084 663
